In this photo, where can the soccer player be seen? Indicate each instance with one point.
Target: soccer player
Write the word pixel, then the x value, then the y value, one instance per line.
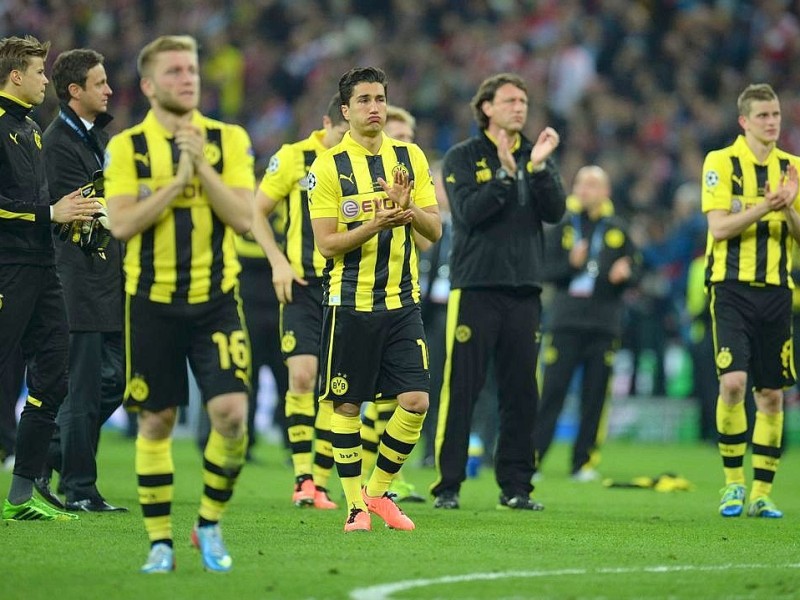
pixel 501 188
pixel 750 199
pixel 179 187
pixel 297 278
pixel 367 195
pixel 32 314
pixel 74 145
pixel 591 261
pixel 400 125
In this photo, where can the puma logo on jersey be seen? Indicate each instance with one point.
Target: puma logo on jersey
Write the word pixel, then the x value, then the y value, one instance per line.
pixel 482 163
pixel 737 180
pixel 13 137
pixel 350 178
pixel 142 158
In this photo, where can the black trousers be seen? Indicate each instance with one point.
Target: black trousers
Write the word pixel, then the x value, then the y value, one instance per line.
pixel 566 352
pixel 484 323
pixel 96 385
pixel 10 388
pixel 33 319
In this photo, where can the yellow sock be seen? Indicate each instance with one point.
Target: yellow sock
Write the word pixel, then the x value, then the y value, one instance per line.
pixel 155 473
pixel 346 439
pixel 767 434
pixel 323 451
pixel 222 462
pixel 300 429
pixel 732 430
pixel 397 442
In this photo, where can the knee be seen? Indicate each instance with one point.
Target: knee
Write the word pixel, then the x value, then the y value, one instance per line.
pixel 732 387
pixel 228 414
pixel 769 402
pixel 416 402
pixel 156 425
pixel 301 381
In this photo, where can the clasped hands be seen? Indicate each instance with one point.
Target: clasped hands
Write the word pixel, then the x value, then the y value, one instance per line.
pixel 397 212
pixel 191 142
pixel 546 143
pixel 785 193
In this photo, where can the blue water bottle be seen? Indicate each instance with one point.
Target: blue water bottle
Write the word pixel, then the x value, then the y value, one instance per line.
pixel 474 455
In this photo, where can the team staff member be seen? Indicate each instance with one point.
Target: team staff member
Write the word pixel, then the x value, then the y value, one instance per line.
pixel 179 187
pixel 297 279
pixel 32 314
pixel 500 187
pixel 368 194
pixel 591 260
pixel 750 200
pixel 74 144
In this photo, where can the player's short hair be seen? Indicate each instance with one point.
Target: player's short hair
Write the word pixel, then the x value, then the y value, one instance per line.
pixel 395 113
pixel 165 43
pixel 356 75
pixel 16 52
pixel 756 92
pixel 334 110
pixel 488 89
pixel 71 67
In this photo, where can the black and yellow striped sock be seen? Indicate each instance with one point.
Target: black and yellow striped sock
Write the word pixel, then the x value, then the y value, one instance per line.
pixel 323 451
pixel 155 473
pixel 767 434
pixel 346 438
pixel 300 429
pixel 732 440
pixel 222 462
pixel 369 440
pixel 397 442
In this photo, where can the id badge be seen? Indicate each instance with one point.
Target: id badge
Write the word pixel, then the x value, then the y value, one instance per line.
pixel 582 286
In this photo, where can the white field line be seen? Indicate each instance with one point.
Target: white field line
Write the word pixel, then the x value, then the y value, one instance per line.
pixel 385 591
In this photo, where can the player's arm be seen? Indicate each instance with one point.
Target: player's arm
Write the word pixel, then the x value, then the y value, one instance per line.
pixel 231 204
pixel 332 242
pixel 129 215
pixel 282 272
pixel 426 222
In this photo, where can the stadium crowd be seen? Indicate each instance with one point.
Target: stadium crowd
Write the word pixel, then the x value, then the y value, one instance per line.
pixel 643 89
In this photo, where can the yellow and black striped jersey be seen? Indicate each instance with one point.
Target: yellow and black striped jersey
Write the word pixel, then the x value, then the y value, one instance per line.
pixel 188 255
pixel 733 180
pixel 382 274
pixel 286 179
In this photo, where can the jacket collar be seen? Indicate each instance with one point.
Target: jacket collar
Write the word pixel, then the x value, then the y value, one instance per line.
pixel 100 121
pixel 14 106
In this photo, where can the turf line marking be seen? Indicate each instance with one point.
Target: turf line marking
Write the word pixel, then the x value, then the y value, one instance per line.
pixel 385 591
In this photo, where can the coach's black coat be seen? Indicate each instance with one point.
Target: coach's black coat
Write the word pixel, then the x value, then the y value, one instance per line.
pixel 92 286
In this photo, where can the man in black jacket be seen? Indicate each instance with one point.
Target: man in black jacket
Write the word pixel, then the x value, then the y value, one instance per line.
pixel 73 146
pixel 501 188
pixel 591 260
pixel 32 314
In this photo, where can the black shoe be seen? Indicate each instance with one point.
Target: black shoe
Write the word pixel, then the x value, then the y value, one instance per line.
pixel 93 505
pixel 42 485
pixel 446 500
pixel 519 502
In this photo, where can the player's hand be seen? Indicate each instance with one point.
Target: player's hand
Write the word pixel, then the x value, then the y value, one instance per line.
pixel 283 276
pixel 578 254
pixel 507 160
pixel 400 191
pixel 389 218
pixel 191 140
pixel 620 271
pixel 546 143
pixel 74 207
pixel 185 169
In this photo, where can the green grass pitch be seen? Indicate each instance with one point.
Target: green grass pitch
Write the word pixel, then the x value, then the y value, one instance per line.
pixel 590 542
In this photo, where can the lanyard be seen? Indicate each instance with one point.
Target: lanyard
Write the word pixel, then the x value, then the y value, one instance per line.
pixel 596 243
pixel 84 135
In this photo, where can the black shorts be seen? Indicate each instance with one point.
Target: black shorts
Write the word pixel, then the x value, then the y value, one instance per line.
pixel 753 332
pixel 372 355
pixel 161 338
pixel 301 320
